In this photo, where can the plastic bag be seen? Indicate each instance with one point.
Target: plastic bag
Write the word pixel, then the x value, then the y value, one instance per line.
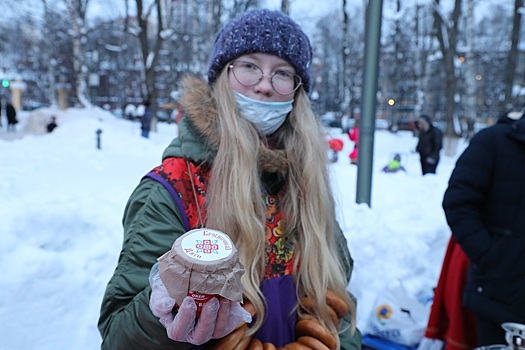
pixel 397 317
pixel 218 319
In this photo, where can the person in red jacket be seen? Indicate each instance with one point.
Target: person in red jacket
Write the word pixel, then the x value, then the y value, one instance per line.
pixel 353 134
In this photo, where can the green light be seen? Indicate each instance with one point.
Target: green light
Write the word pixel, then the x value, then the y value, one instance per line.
pixel 5 83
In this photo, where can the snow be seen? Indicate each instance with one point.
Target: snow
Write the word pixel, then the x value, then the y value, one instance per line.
pixel 63 200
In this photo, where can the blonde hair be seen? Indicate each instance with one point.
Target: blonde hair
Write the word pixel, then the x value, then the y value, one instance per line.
pixel 235 204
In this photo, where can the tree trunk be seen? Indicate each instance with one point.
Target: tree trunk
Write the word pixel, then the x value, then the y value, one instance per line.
pixel 447 36
pixel 150 53
pixel 450 145
pixel 48 57
pixel 470 75
pixel 347 94
pixel 285 6
pixel 512 58
pixel 77 11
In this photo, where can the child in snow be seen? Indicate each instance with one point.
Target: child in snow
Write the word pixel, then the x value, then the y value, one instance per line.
pixel 394 165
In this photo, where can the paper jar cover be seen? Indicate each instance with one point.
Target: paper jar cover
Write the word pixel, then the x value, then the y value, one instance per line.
pixel 205 261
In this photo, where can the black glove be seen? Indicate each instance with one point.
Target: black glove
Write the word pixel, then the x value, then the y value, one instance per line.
pixel 430 160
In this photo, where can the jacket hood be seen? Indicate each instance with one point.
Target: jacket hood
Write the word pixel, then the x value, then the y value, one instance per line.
pixel 199 136
pixel 428 121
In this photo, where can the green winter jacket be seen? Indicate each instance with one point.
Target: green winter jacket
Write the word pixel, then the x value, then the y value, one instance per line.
pixel 152 222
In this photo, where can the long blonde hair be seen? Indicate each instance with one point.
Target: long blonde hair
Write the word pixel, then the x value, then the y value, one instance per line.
pixel 235 204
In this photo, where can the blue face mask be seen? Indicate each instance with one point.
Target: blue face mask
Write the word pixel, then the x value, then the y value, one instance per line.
pixel 266 116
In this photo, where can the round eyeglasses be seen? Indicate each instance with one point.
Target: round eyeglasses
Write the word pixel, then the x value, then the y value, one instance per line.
pixel 248 74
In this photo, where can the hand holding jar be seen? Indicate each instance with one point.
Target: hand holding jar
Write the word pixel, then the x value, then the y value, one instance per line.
pixel 203 272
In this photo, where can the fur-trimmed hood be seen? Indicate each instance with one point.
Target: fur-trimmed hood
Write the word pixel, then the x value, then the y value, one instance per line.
pixel 199 137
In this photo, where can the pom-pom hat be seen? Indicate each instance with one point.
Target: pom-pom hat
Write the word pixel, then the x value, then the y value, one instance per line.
pixel 262 31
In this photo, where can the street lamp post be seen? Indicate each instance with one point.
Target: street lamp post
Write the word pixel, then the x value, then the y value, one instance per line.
pixel 367 122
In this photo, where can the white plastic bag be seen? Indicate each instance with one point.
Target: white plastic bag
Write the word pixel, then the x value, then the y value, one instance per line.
pixel 397 317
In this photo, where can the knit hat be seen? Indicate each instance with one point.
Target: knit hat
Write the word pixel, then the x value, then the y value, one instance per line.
pixel 262 31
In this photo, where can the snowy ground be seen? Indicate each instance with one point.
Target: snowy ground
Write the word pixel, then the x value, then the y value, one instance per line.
pixel 63 199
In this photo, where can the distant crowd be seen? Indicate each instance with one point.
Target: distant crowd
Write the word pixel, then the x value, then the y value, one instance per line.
pixel 11 119
pixel 10 114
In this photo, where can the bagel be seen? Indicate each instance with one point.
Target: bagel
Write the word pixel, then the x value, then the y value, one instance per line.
pixel 312 343
pixel 308 305
pixel 243 344
pixel 336 303
pixel 314 329
pixel 231 340
pixel 334 317
pixel 296 346
pixel 255 344
pixel 269 346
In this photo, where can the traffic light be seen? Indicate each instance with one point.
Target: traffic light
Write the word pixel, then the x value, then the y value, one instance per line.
pixel 5 83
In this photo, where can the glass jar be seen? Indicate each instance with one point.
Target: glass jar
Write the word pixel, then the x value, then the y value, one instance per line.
pixel 203 263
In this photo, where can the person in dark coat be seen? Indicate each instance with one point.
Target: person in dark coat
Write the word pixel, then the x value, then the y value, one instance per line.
pixel 52 124
pixel 146 118
pixel 11 117
pixel 484 206
pixel 429 144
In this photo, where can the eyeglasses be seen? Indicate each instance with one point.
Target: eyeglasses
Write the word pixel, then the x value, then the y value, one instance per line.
pixel 248 74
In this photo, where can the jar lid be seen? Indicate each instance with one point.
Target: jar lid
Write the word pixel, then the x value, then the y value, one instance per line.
pixel 202 260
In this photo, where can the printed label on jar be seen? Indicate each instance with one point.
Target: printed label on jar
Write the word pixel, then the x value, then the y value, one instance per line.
pixel 200 300
pixel 207 245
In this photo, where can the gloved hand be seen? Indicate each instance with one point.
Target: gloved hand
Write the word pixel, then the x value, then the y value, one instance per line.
pixel 218 317
pixel 430 160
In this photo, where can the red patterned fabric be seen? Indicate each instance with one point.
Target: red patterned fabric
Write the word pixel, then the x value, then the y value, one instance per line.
pixel 449 320
pixel 279 247
pixel 175 171
pixel 278 286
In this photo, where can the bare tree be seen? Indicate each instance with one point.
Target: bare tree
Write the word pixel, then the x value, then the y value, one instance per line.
pixel 77 12
pixel 470 97
pixel 149 16
pixel 492 55
pixel 447 35
pixel 285 6
pixel 423 46
pixel 48 56
pixel 215 14
pixel 513 53
pixel 345 87
pixel 240 6
pixel 149 46
pixel 399 65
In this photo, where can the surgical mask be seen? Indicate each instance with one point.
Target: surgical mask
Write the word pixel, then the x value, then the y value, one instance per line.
pixel 266 116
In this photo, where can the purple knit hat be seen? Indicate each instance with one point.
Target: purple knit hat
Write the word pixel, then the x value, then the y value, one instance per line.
pixel 263 31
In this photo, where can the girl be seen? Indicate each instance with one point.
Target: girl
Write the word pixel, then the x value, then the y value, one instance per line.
pixel 250 161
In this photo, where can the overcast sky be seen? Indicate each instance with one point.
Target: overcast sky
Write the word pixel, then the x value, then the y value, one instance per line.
pixel 304 11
